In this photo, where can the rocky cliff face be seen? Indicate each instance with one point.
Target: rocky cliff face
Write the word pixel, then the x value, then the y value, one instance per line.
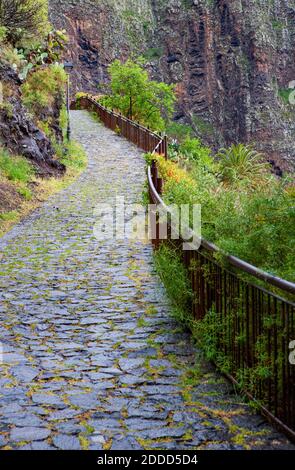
pixel 18 132
pixel 232 61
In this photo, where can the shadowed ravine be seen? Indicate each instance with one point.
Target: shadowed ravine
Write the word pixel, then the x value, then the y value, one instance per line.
pixel 91 356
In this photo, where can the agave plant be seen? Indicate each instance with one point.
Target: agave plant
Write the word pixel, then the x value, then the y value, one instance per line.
pixel 241 162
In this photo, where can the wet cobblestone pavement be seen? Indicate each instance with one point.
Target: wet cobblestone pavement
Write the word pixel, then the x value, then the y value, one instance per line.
pixel 91 356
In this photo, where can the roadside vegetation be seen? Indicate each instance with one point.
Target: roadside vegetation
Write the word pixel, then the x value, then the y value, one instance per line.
pixel 22 190
pixel 246 210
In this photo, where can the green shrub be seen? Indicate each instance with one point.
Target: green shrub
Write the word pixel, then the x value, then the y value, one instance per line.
pixel 258 228
pixel 11 55
pixel 26 193
pixel 9 216
pixel 194 150
pixel 212 331
pixel 42 87
pixel 8 108
pixel 15 168
pixel 251 216
pixel 284 94
pixel 47 51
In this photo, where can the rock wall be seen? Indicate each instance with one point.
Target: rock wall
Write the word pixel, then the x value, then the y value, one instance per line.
pixel 18 132
pixel 232 61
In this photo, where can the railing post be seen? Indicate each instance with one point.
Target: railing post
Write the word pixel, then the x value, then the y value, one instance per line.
pixel 160 148
pixel 154 171
pixel 148 140
pixel 138 135
pixel 112 120
pixel 165 147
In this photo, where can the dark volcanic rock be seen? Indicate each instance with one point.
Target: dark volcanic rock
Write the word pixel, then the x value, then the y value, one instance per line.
pixel 19 134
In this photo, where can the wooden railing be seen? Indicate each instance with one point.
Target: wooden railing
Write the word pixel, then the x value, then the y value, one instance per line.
pixel 248 322
pixel 256 325
pixel 141 136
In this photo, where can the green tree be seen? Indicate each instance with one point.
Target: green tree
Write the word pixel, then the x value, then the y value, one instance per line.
pixel 139 98
pixel 23 19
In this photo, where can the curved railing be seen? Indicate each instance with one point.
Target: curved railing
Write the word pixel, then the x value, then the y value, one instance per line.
pixel 251 316
pixel 141 136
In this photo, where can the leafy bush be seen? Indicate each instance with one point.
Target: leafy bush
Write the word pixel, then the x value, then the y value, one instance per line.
pixel 8 216
pixel 258 227
pixel 43 94
pixel 193 150
pixel 284 94
pixel 26 193
pixel 48 51
pixel 11 56
pixel 254 222
pixel 41 88
pixel 8 108
pixel 178 131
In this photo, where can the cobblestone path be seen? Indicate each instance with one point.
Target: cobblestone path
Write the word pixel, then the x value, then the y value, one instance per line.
pixel 91 357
